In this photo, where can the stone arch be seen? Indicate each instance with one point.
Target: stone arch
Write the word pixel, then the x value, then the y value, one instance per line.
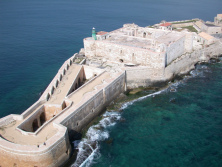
pixel 70 62
pixel 48 97
pixel 42 118
pixel 60 78
pixel 67 66
pixel 35 125
pixel 144 35
pixel 57 83
pixel 64 72
pixel 79 82
pixel 76 86
pixel 52 90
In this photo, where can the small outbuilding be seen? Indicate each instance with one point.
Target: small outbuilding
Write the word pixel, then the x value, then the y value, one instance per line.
pixel 166 26
pixel 206 39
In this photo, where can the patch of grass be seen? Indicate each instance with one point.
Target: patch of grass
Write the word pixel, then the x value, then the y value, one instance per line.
pixel 189 21
pixel 78 60
pixel 190 28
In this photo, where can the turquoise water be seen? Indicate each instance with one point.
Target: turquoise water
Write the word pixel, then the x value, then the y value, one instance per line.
pixel 178 126
pixel 36 37
pixel 181 128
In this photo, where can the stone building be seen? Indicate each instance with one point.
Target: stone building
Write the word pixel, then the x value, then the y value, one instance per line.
pixel 206 39
pixel 218 20
pixel 42 135
pixel 165 26
pixel 208 27
pixel 139 46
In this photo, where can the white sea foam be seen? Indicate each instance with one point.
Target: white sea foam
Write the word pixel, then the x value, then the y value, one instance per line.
pixel 200 71
pixel 125 105
pixel 89 146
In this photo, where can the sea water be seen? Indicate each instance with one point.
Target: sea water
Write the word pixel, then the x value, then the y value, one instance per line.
pixel 176 127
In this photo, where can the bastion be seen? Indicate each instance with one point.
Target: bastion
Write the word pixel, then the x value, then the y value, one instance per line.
pixel 109 64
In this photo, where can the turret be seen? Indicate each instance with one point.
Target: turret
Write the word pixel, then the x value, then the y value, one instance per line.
pixel 94 33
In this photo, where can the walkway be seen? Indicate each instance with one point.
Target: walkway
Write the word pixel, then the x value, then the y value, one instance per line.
pixel 64 86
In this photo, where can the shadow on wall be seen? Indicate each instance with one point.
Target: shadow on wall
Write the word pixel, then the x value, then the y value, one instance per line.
pixel 42 116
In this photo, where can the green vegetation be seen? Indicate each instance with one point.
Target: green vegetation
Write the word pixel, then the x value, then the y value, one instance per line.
pixel 190 28
pixel 78 60
pixel 189 21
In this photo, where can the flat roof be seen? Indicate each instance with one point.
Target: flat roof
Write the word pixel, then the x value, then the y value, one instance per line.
pixel 211 25
pixel 205 36
pixel 101 33
pixel 166 24
pixel 130 41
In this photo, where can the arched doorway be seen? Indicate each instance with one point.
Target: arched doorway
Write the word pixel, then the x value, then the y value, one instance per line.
pixel 79 82
pixel 35 125
pixel 144 35
pixel 42 118
pixel 76 86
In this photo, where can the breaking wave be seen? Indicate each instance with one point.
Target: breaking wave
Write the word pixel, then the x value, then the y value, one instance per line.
pixel 88 147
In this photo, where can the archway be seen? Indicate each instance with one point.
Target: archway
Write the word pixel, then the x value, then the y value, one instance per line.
pixel 35 125
pixel 144 35
pixel 42 118
pixel 79 82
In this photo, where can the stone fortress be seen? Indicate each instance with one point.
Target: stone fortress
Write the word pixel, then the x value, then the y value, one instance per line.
pixel 110 63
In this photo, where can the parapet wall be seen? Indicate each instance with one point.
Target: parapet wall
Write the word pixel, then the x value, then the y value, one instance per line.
pixel 53 153
pixel 54 83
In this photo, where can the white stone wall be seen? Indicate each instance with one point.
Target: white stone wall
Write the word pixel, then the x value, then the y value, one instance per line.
pixel 145 76
pixel 127 54
pixel 214 30
pixel 188 43
pixel 89 109
pixel 175 50
pixel 89 46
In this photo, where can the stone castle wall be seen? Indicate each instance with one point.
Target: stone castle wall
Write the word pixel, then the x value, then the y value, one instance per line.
pixel 55 152
pixel 123 53
pixel 146 77
pixel 179 25
pixel 87 110
pixel 175 49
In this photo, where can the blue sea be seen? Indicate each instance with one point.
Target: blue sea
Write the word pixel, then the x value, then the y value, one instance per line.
pixel 180 126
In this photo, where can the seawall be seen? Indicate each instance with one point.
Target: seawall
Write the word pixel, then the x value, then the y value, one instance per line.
pixel 149 77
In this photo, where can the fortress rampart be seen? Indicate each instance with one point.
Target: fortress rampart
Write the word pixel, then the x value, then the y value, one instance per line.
pixel 41 135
